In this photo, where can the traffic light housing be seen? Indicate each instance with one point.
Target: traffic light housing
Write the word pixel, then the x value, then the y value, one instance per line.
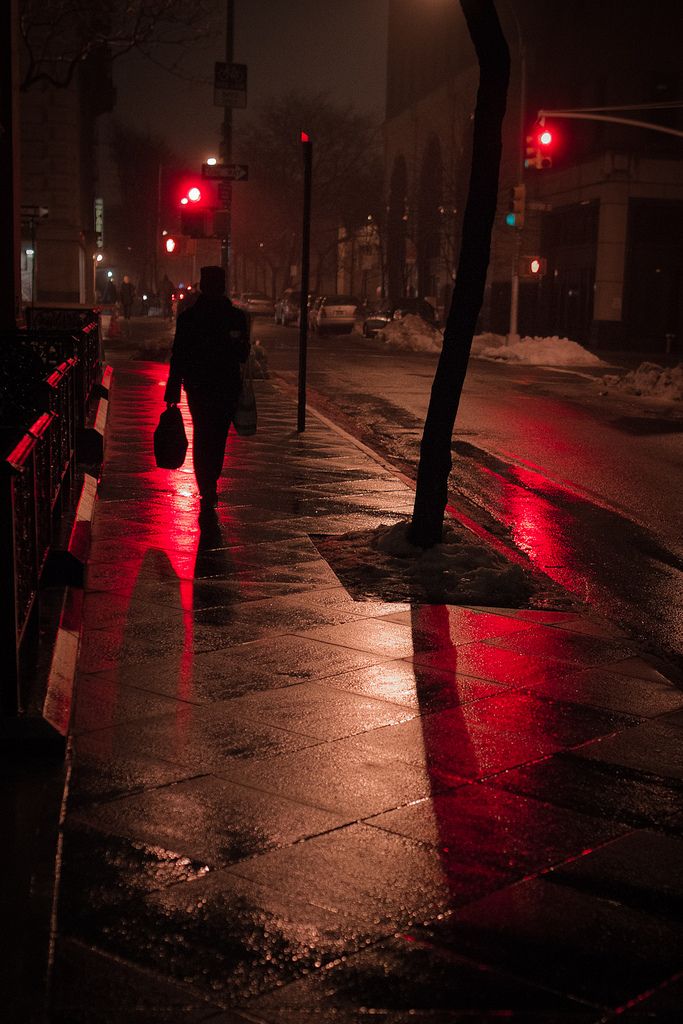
pixel 195 214
pixel 539 148
pixel 515 214
pixel 532 268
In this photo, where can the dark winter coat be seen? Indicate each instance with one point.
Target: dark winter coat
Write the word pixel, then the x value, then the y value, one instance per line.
pixel 211 342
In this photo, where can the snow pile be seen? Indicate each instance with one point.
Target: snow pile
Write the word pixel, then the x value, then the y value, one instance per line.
pixel 651 380
pixel 484 342
pixel 537 352
pixel 411 334
pixel 461 570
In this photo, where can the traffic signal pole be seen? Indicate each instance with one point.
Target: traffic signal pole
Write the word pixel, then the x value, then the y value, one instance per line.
pixel 226 148
pixel 307 146
pixel 513 329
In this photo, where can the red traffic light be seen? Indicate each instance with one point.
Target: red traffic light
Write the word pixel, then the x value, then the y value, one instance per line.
pixel 539 146
pixel 194 194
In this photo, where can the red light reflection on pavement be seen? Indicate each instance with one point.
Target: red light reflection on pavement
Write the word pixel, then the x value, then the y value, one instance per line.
pixel 537 525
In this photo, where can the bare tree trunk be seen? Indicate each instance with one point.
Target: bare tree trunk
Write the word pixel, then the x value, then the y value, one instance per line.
pixel 435 450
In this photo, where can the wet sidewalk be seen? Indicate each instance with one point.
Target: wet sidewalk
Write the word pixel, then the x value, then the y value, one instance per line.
pixel 288 806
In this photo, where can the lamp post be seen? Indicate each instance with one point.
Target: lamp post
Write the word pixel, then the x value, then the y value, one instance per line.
pixel 226 147
pixel 513 335
pixel 96 260
pixel 307 147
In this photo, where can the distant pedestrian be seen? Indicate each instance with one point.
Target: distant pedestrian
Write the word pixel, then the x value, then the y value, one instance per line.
pixel 211 344
pixel 166 290
pixel 110 296
pixel 127 296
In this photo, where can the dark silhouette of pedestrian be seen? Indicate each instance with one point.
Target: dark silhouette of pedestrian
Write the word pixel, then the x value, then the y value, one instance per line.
pixel 110 296
pixel 127 296
pixel 211 343
pixel 166 290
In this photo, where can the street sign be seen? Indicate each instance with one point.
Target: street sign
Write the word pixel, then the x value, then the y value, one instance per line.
pixel 99 222
pixel 230 85
pixel 226 172
pixel 37 212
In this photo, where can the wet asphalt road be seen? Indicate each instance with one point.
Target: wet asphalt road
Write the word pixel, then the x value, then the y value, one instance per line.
pixel 588 484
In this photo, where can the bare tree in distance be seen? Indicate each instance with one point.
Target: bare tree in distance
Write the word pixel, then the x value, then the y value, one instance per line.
pixel 435 464
pixel 59 35
pixel 347 176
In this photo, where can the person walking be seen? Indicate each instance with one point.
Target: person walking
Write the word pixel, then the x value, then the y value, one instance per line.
pixel 166 290
pixel 127 295
pixel 211 343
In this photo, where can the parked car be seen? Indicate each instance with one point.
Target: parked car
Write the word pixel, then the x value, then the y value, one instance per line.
pixel 386 312
pixel 256 303
pixel 334 313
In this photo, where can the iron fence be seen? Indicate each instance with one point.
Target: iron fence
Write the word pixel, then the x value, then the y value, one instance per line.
pixel 26 525
pixel 35 483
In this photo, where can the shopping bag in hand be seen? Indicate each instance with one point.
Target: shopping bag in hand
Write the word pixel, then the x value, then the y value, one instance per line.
pixel 245 413
pixel 170 441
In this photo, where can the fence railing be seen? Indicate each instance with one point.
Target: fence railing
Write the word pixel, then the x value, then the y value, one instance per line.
pixel 48 377
pixel 26 485
pixel 36 477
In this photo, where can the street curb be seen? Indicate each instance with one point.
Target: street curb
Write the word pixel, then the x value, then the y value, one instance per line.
pixel 465 521
pixel 58 702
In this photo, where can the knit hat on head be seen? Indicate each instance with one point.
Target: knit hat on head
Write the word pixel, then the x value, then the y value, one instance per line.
pixel 212 281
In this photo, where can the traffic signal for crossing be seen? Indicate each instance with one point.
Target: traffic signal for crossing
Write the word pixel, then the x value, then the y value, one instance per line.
pixel 515 214
pixel 532 267
pixel 194 213
pixel 539 148
pixel 173 245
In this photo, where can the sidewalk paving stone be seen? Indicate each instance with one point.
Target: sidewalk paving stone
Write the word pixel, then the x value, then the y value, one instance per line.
pixel 287 805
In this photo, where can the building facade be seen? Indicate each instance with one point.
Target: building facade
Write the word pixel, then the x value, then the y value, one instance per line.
pixel 61 232
pixel 605 220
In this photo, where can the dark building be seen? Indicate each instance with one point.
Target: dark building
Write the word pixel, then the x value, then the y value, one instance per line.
pixel 606 219
pixel 61 233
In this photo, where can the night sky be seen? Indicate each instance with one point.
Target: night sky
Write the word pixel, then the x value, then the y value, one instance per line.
pixel 333 46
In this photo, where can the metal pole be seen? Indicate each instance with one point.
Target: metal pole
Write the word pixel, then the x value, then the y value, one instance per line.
pixel 577 116
pixel 226 243
pixel 303 303
pixel 513 335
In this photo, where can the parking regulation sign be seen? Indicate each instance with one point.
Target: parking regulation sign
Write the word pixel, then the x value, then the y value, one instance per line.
pixel 230 85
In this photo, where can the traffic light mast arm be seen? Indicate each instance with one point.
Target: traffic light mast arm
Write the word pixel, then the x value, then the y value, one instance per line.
pixel 589 115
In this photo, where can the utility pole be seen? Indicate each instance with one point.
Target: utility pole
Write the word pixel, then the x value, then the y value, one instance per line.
pixel 307 146
pixel 513 330
pixel 226 148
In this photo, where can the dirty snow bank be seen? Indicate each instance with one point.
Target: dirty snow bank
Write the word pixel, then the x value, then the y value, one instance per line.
pixel 411 334
pixel 534 351
pixel 651 380
pixel 461 570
